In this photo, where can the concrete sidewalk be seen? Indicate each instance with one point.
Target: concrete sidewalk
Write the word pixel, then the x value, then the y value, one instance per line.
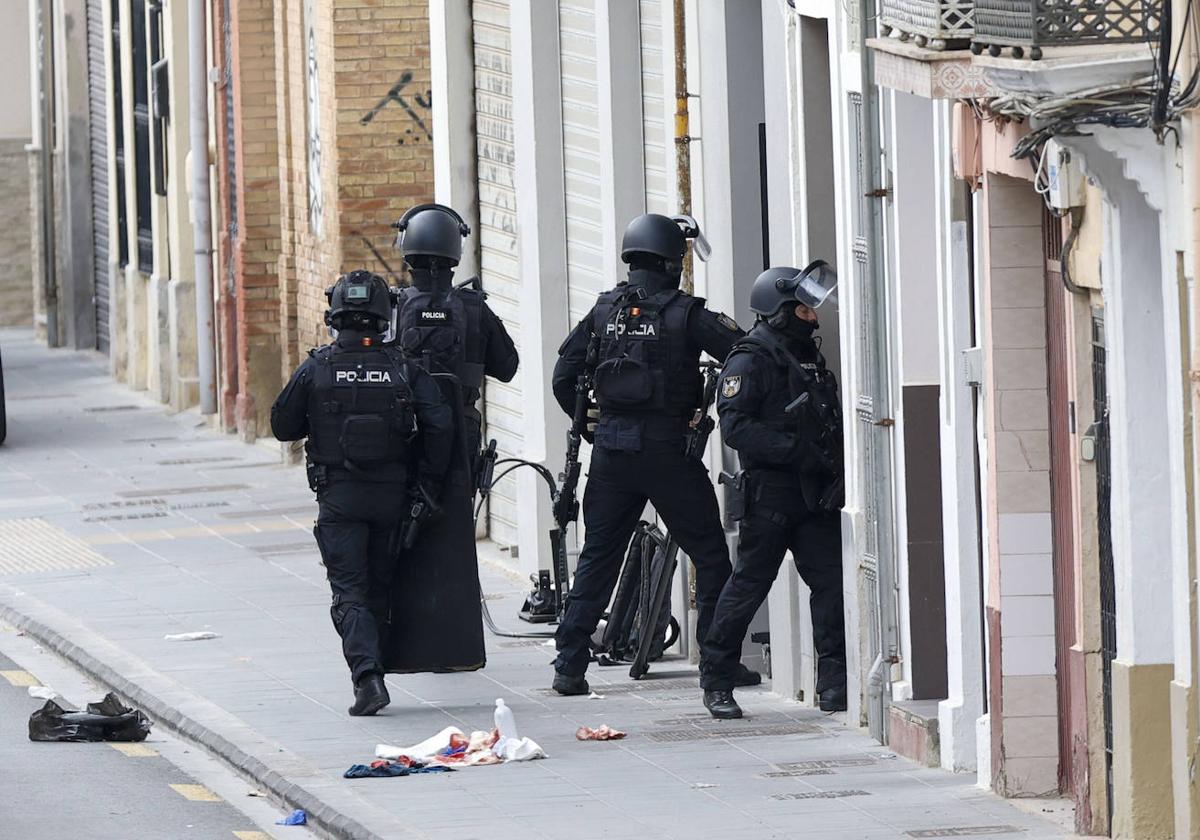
pixel 121 523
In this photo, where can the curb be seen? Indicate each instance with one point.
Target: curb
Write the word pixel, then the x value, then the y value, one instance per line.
pixel 326 818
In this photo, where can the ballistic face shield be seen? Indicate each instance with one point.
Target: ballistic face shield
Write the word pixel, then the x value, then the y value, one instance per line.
pixel 691 230
pixel 813 286
pixel 784 286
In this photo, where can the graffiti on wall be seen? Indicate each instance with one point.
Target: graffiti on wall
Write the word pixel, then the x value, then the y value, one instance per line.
pixel 396 94
pixel 316 191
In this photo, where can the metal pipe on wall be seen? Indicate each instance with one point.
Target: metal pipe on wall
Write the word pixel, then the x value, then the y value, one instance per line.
pixel 49 230
pixel 201 204
pixel 683 152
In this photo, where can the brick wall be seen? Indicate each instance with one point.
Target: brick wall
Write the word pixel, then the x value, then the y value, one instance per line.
pixel 384 123
pixel 16 280
pixel 372 65
pixel 372 126
pixel 258 247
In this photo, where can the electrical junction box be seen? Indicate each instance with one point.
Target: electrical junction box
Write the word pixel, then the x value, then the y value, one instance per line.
pixel 1064 177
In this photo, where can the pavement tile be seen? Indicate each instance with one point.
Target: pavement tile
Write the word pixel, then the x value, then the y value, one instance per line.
pixel 205 532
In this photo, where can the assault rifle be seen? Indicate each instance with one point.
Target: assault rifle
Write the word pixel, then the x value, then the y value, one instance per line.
pixel 566 501
pixel 702 422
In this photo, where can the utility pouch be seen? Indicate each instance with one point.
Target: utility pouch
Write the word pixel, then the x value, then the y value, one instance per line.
pixel 624 382
pixel 365 438
pixel 318 476
pixel 737 502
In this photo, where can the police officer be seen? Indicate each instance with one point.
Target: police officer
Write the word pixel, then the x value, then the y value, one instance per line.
pixel 644 339
pixel 452 327
pixel 779 409
pixel 376 425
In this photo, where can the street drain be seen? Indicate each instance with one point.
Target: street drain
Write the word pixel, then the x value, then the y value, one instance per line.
pixel 97 409
pixel 182 491
pixel 829 763
pixel 162 439
pixel 820 794
pixel 121 517
pixel 792 774
pixel 717 732
pixel 966 831
pixel 525 643
pixel 132 503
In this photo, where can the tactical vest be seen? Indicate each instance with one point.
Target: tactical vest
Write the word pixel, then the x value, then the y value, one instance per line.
pixel 444 330
pixel 360 409
pixel 645 364
pixel 822 417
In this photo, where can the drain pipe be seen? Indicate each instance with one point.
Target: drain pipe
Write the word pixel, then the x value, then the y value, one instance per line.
pixel 46 155
pixel 683 150
pixel 201 205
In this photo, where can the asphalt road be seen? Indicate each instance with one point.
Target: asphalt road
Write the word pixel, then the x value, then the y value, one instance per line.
pixel 57 790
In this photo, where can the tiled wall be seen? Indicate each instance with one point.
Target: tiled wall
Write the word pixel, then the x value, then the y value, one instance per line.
pixel 1020 598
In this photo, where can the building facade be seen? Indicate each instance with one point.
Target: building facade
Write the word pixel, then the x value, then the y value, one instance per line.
pixel 1010 205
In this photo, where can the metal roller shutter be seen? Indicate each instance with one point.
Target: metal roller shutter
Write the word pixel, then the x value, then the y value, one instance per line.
pixel 655 93
pixel 98 138
pixel 581 155
pixel 499 266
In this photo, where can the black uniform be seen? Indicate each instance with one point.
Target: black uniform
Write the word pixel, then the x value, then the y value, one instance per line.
pixel 647 382
pixel 370 417
pixel 793 473
pixel 459 333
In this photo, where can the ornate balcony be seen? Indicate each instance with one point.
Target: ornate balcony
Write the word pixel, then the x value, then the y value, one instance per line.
pixel 1032 25
pixel 930 24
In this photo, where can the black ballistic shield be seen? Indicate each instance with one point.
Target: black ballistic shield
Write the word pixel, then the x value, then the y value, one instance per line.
pixel 436 624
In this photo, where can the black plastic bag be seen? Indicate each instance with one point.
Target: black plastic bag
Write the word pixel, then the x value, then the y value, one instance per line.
pixel 108 720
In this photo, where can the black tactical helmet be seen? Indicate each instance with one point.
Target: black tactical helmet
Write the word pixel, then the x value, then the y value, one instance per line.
pixel 778 287
pixel 431 230
pixel 359 300
pixel 659 236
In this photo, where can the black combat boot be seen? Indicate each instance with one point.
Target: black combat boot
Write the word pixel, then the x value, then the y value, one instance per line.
pixel 833 699
pixel 370 695
pixel 745 677
pixel 569 686
pixel 721 705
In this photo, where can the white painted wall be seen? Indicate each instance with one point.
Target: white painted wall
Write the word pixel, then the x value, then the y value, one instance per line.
pixel 1145 404
pixel 16 99
pixel 957 714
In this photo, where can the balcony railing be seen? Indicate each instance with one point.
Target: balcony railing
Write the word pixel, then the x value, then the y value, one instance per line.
pixel 933 24
pixel 1031 25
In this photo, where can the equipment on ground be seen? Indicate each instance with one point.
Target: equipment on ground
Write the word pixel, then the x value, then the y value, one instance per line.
pixel 649 568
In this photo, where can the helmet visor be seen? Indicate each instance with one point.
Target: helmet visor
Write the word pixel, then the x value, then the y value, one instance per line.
pixel 815 285
pixel 691 230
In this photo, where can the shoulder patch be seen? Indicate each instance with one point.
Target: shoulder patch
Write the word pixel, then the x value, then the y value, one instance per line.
pixel 727 322
pixel 731 386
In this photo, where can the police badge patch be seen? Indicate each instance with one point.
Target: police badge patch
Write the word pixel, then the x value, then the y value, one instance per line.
pixel 727 322
pixel 730 386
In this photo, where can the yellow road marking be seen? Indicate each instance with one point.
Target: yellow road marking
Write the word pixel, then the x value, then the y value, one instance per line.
pixel 134 750
pixel 21 679
pixel 251 835
pixel 196 793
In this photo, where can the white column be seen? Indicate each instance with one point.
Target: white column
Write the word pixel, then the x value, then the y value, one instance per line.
pixel 957 714
pixel 452 70
pixel 622 163
pixel 541 243
pixel 792 665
